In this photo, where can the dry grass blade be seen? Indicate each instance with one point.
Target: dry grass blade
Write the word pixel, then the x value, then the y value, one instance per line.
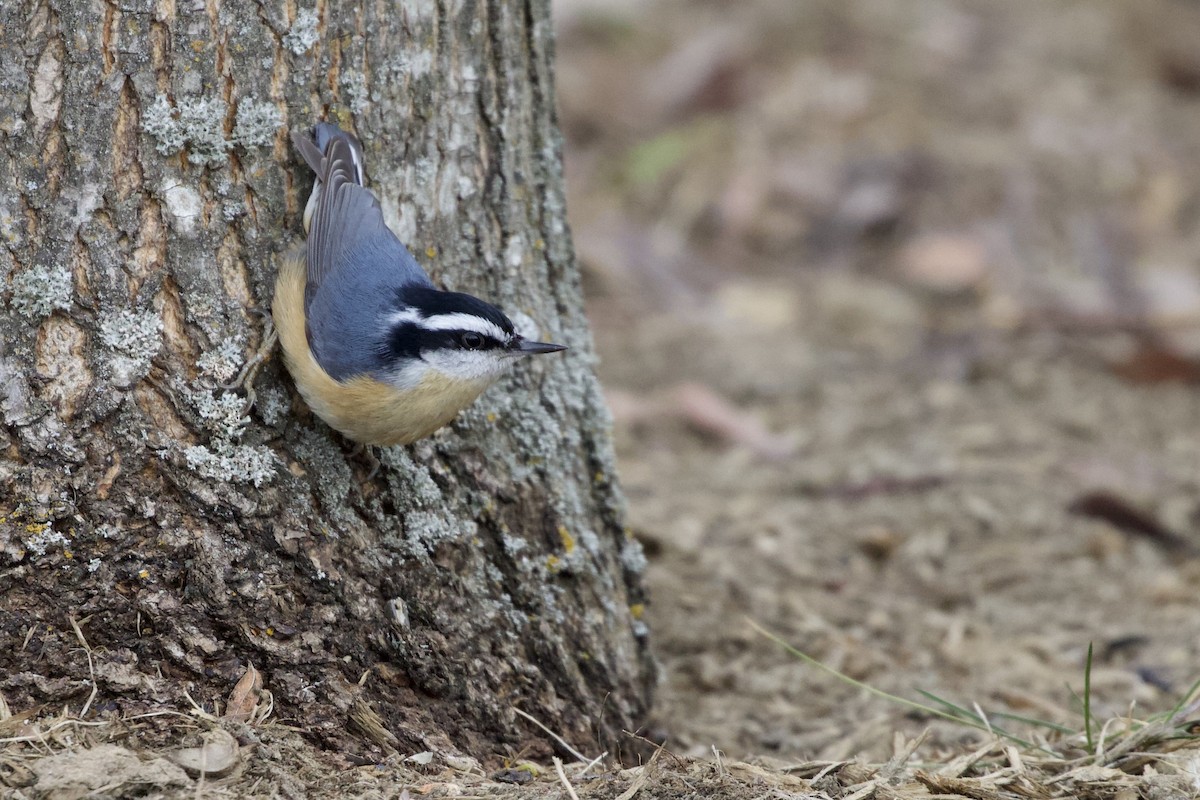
pixel 903 752
pixel 87 649
pixel 562 777
pixel 863 791
pixel 592 763
pixel 956 714
pixel 10 722
pixel 642 777
pixel 578 755
pixel 813 770
pixel 961 764
pixel 963 787
pixel 367 720
pixel 40 736
pixel 1121 743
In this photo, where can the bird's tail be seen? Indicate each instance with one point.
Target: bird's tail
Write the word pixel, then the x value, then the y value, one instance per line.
pixel 328 150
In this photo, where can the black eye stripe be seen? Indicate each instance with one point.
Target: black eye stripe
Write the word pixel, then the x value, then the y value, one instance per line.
pixel 408 340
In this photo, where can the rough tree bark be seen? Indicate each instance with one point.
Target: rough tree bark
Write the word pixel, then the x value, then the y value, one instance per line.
pixel 146 192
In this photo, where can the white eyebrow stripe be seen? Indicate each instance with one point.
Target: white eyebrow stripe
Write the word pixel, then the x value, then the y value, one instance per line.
pixel 406 315
pixel 459 321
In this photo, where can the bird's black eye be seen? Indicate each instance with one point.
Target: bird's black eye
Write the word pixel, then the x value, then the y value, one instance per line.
pixel 471 341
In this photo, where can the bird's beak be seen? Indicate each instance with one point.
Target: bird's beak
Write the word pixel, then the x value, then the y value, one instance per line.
pixel 526 348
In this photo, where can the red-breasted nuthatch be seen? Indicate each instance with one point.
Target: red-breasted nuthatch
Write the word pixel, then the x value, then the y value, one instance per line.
pixel 376 350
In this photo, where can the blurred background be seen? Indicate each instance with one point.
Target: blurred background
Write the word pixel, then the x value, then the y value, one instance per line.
pixel 898 306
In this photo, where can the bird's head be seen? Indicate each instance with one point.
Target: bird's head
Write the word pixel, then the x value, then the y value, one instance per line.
pixel 458 335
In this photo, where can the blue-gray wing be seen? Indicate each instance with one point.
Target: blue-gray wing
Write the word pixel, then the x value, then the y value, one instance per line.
pixel 345 214
pixel 355 263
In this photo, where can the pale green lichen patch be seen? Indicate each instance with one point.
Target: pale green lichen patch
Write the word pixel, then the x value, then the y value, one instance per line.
pixel 513 544
pixel 304 33
pixel 159 121
pixel 109 531
pixel 42 290
pixel 633 557
pixel 224 458
pixel 202 122
pixel 232 209
pixel 257 122
pixel 223 361
pixel 135 337
pixel 357 96
pixel 410 479
pixel 273 405
pixel 226 461
pixel 43 538
pixel 223 414
pixel 197 123
pixel 424 531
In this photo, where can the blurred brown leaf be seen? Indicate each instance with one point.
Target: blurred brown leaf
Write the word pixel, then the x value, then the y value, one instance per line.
pixel 945 263
pixel 708 413
pixel 1126 518
pixel 1154 362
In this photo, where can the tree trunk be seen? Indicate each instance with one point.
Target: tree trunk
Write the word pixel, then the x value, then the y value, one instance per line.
pixel 147 194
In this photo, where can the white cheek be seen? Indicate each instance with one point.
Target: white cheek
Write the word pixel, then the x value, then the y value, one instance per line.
pixel 409 377
pixel 469 365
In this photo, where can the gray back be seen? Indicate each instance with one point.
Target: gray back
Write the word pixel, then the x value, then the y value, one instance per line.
pixel 355 263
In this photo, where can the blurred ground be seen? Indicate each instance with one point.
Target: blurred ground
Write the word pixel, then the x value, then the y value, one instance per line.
pixel 898 302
